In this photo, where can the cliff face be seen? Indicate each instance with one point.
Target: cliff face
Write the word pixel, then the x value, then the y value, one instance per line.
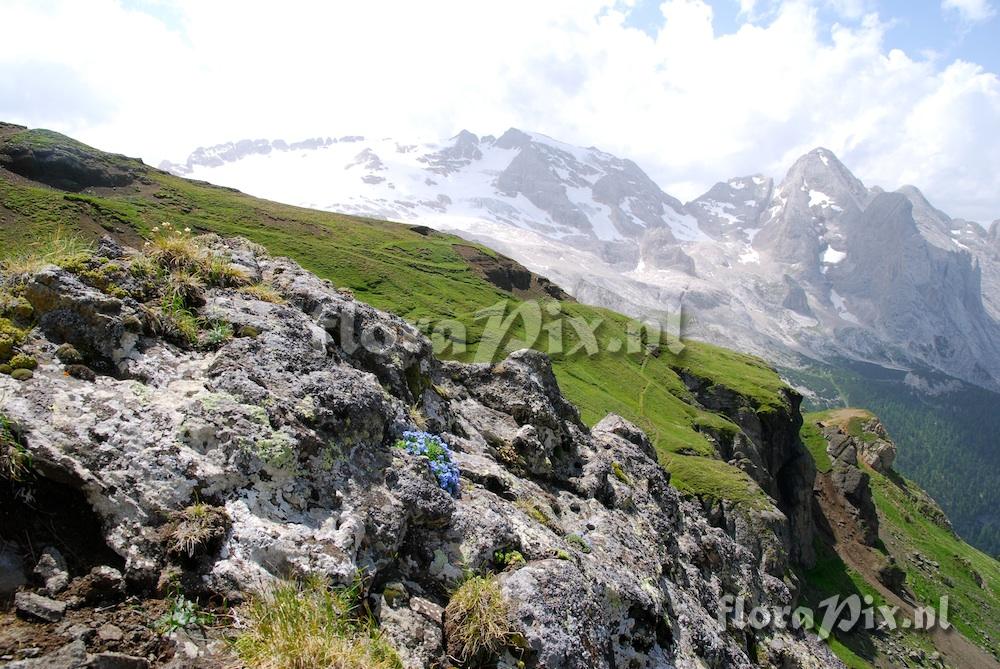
pixel 275 414
pixel 769 450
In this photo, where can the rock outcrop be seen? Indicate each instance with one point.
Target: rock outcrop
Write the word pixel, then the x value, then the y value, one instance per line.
pixel 286 431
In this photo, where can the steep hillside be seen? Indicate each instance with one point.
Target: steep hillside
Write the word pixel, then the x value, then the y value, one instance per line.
pixel 882 536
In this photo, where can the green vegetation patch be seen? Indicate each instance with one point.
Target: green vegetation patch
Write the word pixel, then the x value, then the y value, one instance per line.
pixel 814 441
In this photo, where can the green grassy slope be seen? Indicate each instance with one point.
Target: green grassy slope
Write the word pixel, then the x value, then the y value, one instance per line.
pixel 914 531
pixel 421 276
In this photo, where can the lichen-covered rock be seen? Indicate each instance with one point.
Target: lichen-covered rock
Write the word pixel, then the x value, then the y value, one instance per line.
pixel 292 432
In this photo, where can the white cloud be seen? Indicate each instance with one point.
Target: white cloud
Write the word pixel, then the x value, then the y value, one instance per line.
pixel 972 11
pixel 690 106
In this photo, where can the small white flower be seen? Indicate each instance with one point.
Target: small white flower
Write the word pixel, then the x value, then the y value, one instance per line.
pixel 156 228
pixel 146 244
pixel 166 224
pixel 187 229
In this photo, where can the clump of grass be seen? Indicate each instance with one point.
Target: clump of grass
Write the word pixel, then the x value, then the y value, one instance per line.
pixel 195 529
pixel 310 626
pixel 476 620
pixel 177 321
pixel 175 249
pixel 221 272
pixel 184 287
pixel 15 460
pixel 60 249
pixel 264 292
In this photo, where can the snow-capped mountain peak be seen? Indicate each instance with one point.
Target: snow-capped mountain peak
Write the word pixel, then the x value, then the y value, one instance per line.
pixel 816 265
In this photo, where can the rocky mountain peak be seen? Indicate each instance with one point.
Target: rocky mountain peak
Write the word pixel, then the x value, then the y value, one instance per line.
pixel 513 139
pixel 733 207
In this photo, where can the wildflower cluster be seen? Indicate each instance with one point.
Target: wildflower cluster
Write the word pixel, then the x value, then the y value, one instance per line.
pixel 165 228
pixel 437 452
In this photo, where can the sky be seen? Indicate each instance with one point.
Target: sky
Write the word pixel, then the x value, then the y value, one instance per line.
pixel 903 91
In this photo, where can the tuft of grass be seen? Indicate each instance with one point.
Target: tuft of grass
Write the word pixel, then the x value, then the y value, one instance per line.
pixel 60 248
pixel 184 287
pixel 195 528
pixel 15 460
pixel 476 620
pixel 220 272
pixel 177 321
pixel 174 249
pixel 264 292
pixel 310 626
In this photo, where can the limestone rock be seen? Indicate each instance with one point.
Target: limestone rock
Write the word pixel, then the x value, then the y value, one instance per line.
pixel 38 606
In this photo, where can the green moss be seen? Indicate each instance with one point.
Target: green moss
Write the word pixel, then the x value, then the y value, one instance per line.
pixel 578 543
pixel 22 361
pixel 620 474
pixel 68 355
pixel 508 559
pixel 11 336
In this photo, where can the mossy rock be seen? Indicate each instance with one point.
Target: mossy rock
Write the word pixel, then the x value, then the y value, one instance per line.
pixel 23 311
pixel 21 374
pixel 10 337
pixel 22 361
pixel 248 331
pixel 68 355
pixel 81 372
pixel 6 369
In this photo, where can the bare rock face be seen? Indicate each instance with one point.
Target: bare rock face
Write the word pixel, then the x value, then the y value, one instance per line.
pixel 288 432
pixel 878 453
pixel 852 483
pixel 68 167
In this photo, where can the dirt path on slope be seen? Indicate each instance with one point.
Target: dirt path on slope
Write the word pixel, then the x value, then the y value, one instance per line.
pixel 955 649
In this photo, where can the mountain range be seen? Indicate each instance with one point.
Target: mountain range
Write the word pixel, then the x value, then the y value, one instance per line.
pixel 816 266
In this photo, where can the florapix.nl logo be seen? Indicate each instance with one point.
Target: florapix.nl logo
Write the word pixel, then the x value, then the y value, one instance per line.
pixel 550 326
pixel 846 614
